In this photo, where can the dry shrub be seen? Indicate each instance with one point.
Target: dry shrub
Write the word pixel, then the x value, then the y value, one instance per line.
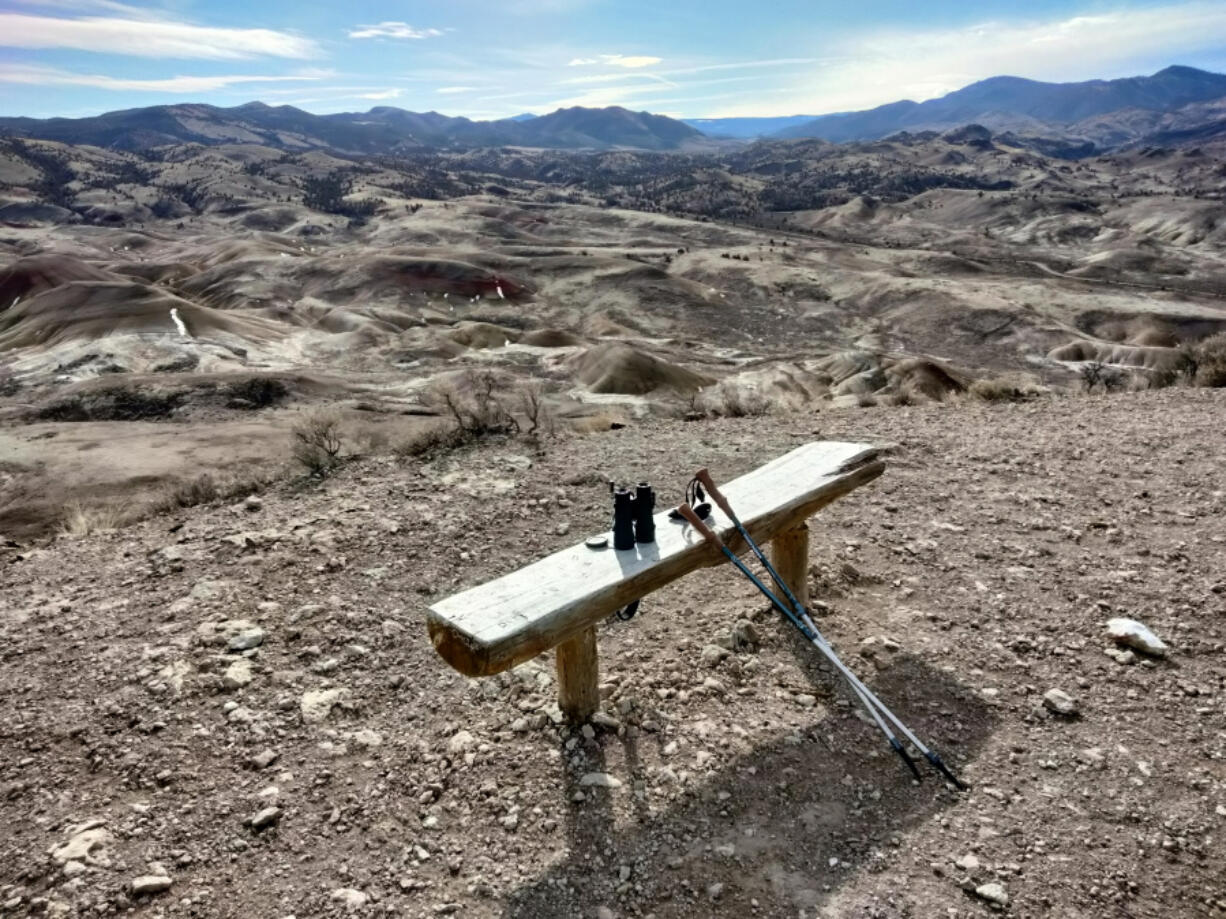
pixel 999 390
pixel 317 442
pixel 472 403
pixel 80 520
pixel 205 489
pixel 732 401
pixel 1097 375
pixel 1210 358
pixel 429 440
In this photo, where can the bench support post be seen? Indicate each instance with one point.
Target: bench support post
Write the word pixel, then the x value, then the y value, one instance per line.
pixel 790 556
pixel 578 676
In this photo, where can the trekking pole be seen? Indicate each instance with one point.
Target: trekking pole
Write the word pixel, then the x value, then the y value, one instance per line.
pixel 808 631
pixel 704 477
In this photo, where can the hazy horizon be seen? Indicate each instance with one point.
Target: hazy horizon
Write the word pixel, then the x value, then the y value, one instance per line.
pixel 481 60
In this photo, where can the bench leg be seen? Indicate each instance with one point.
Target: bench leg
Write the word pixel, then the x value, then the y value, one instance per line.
pixel 790 556
pixel 578 676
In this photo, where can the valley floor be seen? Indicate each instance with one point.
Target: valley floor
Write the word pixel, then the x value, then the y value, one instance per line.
pixel 973 577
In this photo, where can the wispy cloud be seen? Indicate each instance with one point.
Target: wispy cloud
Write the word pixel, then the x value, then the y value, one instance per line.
pixel 150 38
pixel 398 30
pixel 382 94
pixel 49 76
pixel 630 62
pixel 451 90
pixel 876 67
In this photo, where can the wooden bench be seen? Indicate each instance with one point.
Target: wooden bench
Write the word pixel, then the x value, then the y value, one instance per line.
pixel 558 601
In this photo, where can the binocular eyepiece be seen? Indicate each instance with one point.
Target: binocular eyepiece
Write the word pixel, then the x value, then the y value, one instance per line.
pixel 633 518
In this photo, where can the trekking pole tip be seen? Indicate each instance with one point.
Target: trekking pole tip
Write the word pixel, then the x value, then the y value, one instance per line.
pixel 901 751
pixel 944 770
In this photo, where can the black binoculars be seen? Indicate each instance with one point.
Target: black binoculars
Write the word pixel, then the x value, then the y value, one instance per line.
pixel 633 520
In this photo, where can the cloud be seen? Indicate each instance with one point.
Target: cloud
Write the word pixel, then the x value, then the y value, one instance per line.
pixel 393 30
pixel 381 94
pixel 449 90
pixel 630 62
pixel 150 38
pixel 49 76
pixel 883 66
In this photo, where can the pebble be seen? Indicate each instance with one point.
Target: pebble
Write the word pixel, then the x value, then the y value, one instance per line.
pixel 316 706
pixel 994 893
pixel 264 759
pixel 600 780
pixel 460 741
pixel 715 891
pixel 1060 702
pixel 247 639
pixel 713 654
pixel 352 899
pixel 253 503
pixel 151 884
pixel 238 674
pixel 1136 636
pixel 265 818
pixel 968 862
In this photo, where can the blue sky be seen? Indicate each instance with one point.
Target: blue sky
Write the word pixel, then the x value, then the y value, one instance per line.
pixel 494 58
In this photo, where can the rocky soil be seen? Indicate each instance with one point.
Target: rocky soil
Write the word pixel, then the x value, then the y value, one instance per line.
pixel 236 711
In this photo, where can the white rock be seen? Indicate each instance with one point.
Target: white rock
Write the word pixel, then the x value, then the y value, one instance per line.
pixel 968 863
pixel 265 818
pixel 352 899
pixel 460 741
pixel 151 884
pixel 1060 702
pixel 247 639
pixel 81 843
pixel 1136 635
pixel 238 674
pixel 713 654
pixel 994 893
pixel 316 706
pixel 600 780
pixel 366 738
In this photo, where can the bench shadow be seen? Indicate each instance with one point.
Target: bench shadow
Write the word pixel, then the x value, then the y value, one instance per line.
pixel 785 824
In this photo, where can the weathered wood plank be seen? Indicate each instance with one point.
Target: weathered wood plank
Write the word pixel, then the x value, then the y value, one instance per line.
pixel 790 558
pixel 504 622
pixel 578 676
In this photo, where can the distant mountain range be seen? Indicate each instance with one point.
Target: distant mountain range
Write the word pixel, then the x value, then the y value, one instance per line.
pixel 1003 104
pixel 382 130
pixel 1178 104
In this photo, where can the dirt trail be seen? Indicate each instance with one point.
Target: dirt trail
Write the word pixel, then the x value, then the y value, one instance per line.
pixel 338 767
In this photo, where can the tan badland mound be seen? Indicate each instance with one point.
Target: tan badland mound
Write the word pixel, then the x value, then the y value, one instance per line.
pixel 29 276
pixel 928 378
pixel 483 335
pixel 551 338
pixel 616 368
pixel 87 310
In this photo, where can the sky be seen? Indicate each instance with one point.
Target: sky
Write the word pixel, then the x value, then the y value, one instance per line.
pixel 496 58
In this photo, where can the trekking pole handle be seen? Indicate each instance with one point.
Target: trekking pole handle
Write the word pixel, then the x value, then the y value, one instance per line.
pixel 696 522
pixel 704 478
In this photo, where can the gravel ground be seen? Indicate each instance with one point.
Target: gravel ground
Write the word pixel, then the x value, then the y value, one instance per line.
pixel 236 711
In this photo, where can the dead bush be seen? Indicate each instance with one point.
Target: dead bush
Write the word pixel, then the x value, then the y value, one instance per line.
pixel 80 520
pixel 1210 362
pixel 429 440
pixel 732 401
pixel 999 390
pixel 472 403
pixel 205 489
pixel 317 442
pixel 1097 375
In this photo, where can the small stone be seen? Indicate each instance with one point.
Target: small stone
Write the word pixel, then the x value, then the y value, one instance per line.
pixel 73 868
pixel 247 639
pixel 606 721
pixel 459 742
pixel 562 528
pixel 715 891
pixel 1137 636
pixel 149 884
pixel 600 780
pixel 264 759
pixel 265 818
pixel 994 893
pixel 713 654
pixel 350 898
pixel 744 637
pixel 82 842
pixel 253 503
pixel 968 863
pixel 510 821
pixel 316 706
pixel 238 674
pixel 727 851
pixel 366 738
pixel 1060 702
pixel 804 700
pixel 1122 656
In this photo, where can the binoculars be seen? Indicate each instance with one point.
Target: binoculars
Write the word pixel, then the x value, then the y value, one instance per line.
pixel 633 520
